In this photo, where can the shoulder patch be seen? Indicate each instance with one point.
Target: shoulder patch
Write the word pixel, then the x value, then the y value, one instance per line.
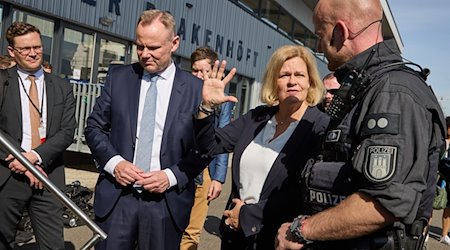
pixel 380 163
pixel 333 135
pixel 382 123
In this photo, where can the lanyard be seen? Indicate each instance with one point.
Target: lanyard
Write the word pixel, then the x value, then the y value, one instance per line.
pixel 29 98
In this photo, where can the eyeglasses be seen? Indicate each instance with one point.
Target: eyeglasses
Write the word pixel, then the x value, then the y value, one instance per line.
pixel 24 51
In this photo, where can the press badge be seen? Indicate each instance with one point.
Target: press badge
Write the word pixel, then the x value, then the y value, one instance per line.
pixel 42 132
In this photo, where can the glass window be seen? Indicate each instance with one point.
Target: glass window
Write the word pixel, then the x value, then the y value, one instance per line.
pixel 1 16
pixel 77 54
pixel 270 11
pixel 299 32
pixel 286 22
pixel 251 5
pixel 311 41
pixel 134 57
pixel 45 26
pixel 111 54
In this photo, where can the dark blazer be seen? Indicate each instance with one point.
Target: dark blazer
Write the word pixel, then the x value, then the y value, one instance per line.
pixel 60 122
pixel 111 130
pixel 280 197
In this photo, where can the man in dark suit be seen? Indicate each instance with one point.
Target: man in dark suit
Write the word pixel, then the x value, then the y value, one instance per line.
pixel 37 116
pixel 146 202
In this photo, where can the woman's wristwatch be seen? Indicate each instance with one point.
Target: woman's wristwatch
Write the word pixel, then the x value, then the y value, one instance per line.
pixel 296 230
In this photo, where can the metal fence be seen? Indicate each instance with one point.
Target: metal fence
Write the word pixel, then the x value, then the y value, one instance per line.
pixel 85 96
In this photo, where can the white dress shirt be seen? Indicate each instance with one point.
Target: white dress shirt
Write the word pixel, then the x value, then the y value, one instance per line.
pixel 164 85
pixel 258 158
pixel 24 88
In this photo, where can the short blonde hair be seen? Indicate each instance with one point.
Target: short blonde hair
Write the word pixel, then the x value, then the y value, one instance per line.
pixel 149 16
pixel 269 91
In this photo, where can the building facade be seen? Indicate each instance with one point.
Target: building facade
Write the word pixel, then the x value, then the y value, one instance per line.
pixel 82 38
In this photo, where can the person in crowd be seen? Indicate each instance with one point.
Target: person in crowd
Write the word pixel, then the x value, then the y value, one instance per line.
pixel 270 145
pixel 37 115
pixel 445 170
pixel 47 67
pixel 382 148
pixel 7 62
pixel 140 135
pixel 209 183
pixel 331 85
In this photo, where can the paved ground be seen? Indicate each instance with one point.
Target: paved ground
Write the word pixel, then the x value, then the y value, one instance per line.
pixel 76 237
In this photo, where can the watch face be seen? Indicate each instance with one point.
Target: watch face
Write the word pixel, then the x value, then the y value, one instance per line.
pixel 296 230
pixel 294 225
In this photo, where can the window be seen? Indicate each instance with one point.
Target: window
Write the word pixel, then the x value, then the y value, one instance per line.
pixel 286 23
pixel 311 41
pixel 77 55
pixel 111 54
pixel 299 32
pixel 134 57
pixel 252 5
pixel 270 12
pixel 1 16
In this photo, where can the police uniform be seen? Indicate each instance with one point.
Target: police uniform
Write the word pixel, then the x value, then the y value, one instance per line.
pixel 387 145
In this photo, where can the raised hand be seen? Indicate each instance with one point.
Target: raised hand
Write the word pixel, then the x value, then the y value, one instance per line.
pixel 214 85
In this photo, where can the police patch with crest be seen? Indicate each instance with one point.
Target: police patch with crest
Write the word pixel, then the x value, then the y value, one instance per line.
pixel 333 135
pixel 380 163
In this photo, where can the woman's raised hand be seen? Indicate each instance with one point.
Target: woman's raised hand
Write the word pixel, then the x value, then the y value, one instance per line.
pixel 214 85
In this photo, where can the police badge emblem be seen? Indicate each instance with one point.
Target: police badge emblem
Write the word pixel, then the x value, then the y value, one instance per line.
pixel 333 135
pixel 380 163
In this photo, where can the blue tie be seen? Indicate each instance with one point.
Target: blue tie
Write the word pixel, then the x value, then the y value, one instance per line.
pixel 147 127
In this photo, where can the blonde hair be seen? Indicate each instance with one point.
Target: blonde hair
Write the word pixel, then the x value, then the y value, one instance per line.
pixel 149 16
pixel 269 91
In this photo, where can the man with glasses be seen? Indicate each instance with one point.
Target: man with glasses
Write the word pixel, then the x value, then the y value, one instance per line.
pixel 37 115
pixel 373 185
pixel 331 85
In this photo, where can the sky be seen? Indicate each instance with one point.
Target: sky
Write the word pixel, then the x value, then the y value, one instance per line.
pixel 424 27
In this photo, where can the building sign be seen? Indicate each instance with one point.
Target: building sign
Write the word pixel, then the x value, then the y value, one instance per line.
pixel 205 37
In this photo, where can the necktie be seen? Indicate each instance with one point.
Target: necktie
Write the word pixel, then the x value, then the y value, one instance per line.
pixel 147 127
pixel 35 118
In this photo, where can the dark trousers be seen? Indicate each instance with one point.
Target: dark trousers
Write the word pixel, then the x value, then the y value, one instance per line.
pixel 139 220
pixel 44 209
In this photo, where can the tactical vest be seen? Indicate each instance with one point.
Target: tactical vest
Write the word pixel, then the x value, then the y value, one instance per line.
pixel 330 178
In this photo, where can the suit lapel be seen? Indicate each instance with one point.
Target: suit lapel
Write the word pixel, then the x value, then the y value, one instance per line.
pixel 13 92
pixel 134 89
pixel 175 101
pixel 50 92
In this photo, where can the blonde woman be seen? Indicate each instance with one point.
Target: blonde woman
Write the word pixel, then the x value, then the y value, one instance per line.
pixel 271 144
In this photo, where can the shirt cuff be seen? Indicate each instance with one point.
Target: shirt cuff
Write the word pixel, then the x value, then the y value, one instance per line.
pixel 171 176
pixel 112 163
pixel 39 161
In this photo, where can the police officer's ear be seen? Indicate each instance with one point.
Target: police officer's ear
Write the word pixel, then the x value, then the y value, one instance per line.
pixel 339 34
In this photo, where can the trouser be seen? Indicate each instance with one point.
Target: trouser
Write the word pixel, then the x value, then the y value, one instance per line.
pixel 44 210
pixel 191 235
pixel 139 221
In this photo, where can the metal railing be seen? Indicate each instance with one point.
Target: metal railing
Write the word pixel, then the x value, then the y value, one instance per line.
pixel 99 234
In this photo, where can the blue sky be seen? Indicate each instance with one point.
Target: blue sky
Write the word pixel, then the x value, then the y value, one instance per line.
pixel 424 27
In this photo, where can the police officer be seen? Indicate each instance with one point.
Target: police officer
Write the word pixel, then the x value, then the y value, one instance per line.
pixel 373 185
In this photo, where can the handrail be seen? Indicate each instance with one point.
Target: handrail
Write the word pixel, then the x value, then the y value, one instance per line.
pixel 99 234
